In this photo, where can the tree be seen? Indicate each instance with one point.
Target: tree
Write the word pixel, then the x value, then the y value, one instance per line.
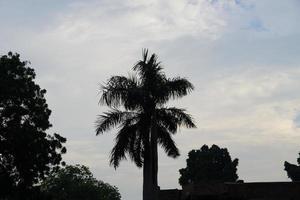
pixel 77 183
pixel 27 152
pixel 209 164
pixel 145 121
pixel 293 171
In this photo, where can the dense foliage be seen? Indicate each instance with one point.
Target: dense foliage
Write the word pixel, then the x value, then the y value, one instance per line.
pixel 138 109
pixel 77 183
pixel 293 171
pixel 209 164
pixel 27 152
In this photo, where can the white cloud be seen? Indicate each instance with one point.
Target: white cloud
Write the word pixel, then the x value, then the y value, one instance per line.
pixel 140 21
pixel 259 99
pixel 247 81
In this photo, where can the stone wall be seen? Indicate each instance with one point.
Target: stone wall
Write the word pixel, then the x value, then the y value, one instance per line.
pixel 235 191
pixel 265 191
pixel 173 194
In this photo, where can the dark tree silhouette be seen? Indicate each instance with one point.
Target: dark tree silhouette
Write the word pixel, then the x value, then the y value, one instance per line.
pixel 77 183
pixel 293 171
pixel 209 164
pixel 27 152
pixel 145 122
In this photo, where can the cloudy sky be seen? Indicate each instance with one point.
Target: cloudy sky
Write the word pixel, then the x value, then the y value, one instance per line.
pixel 241 55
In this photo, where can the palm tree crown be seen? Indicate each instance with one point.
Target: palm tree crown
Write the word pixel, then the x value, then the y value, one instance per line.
pixel 138 111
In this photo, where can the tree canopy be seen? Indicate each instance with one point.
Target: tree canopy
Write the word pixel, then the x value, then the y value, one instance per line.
pixel 138 109
pixel 293 171
pixel 27 152
pixel 209 164
pixel 77 183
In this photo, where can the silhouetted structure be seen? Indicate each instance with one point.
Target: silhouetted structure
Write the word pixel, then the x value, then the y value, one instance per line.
pixel 235 191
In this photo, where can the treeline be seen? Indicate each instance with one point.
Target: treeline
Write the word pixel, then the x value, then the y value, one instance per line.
pixel 214 164
pixel 31 165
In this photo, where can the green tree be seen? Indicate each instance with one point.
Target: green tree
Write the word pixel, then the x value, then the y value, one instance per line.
pixel 209 164
pixel 293 171
pixel 145 121
pixel 77 183
pixel 27 152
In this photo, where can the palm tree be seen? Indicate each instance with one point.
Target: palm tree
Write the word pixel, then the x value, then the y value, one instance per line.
pixel 138 110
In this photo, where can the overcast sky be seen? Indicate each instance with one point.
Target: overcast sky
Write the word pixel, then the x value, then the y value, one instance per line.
pixel 243 57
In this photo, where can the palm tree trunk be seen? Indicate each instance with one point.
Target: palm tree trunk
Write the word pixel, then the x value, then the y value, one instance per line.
pixel 148 187
pixel 154 158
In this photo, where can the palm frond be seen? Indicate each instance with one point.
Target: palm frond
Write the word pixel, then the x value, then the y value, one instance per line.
pixel 148 69
pixel 122 143
pixel 166 120
pixel 172 118
pixel 166 141
pixel 178 87
pixel 120 90
pixel 136 148
pixel 111 119
pixel 166 89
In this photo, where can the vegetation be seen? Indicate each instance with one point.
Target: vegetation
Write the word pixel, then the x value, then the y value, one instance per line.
pixel 293 171
pixel 77 183
pixel 209 164
pixel 31 159
pixel 145 121
pixel 27 152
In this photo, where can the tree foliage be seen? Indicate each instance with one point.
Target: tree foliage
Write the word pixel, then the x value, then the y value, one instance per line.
pixel 143 97
pixel 293 171
pixel 138 110
pixel 77 183
pixel 27 152
pixel 209 164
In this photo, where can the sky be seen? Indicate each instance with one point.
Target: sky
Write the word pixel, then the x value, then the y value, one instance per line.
pixel 241 55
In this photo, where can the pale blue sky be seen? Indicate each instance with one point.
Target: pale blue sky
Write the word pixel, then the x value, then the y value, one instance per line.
pixel 242 56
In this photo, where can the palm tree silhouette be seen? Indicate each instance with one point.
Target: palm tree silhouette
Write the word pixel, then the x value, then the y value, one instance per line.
pixel 138 110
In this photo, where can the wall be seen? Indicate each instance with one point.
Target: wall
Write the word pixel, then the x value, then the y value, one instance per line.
pixel 235 191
